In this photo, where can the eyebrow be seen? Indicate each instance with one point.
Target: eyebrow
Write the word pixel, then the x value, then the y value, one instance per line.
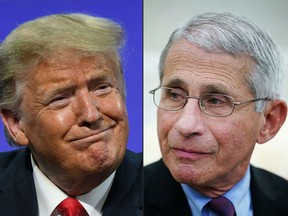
pixel 68 87
pixel 99 79
pixel 48 95
pixel 174 83
pixel 205 88
pixel 215 88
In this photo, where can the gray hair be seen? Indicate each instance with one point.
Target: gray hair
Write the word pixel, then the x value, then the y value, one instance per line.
pixel 50 36
pixel 235 35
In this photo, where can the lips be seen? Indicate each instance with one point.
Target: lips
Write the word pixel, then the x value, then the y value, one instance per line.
pixel 190 154
pixel 91 136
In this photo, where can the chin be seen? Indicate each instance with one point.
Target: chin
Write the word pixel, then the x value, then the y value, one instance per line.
pixel 182 173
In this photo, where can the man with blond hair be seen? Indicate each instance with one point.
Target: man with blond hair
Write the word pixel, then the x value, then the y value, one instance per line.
pixel 62 97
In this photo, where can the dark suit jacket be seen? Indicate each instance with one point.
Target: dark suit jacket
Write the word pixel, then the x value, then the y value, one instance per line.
pixel 18 195
pixel 163 196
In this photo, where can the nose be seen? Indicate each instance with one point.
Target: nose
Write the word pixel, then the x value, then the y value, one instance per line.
pixel 190 121
pixel 87 109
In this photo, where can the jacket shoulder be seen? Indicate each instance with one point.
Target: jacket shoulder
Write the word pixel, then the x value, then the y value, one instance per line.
pixel 134 158
pixel 7 158
pixel 269 193
pixel 163 195
pixel 17 184
pixel 125 196
pixel 268 179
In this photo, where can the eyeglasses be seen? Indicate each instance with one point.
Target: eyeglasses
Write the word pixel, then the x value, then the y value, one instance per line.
pixel 217 105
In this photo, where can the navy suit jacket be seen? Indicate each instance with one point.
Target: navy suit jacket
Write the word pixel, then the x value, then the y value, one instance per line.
pixel 18 194
pixel 163 196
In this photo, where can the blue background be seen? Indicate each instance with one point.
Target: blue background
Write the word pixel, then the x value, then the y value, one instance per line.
pixel 126 12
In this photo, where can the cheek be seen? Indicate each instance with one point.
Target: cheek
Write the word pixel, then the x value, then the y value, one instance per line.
pixel 48 126
pixel 116 111
pixel 115 108
pixel 57 120
pixel 165 124
pixel 235 138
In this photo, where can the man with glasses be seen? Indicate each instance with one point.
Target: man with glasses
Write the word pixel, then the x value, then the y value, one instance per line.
pixel 219 95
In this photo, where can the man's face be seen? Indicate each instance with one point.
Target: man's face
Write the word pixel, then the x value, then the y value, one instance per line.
pixel 74 116
pixel 201 150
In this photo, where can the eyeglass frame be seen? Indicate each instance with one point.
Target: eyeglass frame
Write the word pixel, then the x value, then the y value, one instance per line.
pixel 233 102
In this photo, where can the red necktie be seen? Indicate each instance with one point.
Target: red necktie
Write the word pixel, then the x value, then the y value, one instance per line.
pixel 222 206
pixel 69 207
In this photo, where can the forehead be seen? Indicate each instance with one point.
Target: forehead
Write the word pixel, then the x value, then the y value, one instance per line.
pixel 63 73
pixel 69 67
pixel 187 64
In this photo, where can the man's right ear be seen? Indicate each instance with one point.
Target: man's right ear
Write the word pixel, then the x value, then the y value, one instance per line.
pixel 14 127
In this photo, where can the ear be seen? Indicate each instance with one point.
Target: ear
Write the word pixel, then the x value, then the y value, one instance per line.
pixel 274 117
pixel 14 127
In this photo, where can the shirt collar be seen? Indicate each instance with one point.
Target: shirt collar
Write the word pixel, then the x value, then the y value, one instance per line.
pixel 239 195
pixel 49 195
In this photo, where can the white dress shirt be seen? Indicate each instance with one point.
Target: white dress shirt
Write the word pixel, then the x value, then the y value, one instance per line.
pixel 49 195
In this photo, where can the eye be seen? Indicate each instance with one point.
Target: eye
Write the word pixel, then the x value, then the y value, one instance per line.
pixel 59 102
pixel 102 89
pixel 216 100
pixel 174 94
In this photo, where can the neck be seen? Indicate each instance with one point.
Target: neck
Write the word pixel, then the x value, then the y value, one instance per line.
pixel 223 184
pixel 75 185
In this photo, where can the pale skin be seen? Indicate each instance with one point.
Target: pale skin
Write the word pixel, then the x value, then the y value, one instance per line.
pixel 212 154
pixel 73 117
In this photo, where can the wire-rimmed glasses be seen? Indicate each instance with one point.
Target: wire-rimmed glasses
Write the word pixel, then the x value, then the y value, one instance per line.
pixel 212 104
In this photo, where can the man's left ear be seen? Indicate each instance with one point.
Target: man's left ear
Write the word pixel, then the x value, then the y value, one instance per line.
pixel 274 117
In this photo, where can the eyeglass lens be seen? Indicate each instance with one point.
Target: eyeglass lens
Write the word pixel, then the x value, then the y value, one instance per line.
pixel 211 104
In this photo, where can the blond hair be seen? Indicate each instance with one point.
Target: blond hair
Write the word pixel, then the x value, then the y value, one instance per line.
pixel 51 37
pixel 39 39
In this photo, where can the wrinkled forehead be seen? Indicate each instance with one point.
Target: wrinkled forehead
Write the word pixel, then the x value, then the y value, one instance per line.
pixel 188 64
pixel 60 59
pixel 76 64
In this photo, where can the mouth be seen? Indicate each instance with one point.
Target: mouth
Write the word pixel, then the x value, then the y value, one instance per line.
pixel 189 154
pixel 92 137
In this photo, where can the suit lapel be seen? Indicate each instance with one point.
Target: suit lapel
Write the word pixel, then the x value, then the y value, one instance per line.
pixel 163 194
pixel 17 190
pixel 125 196
pixel 268 196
